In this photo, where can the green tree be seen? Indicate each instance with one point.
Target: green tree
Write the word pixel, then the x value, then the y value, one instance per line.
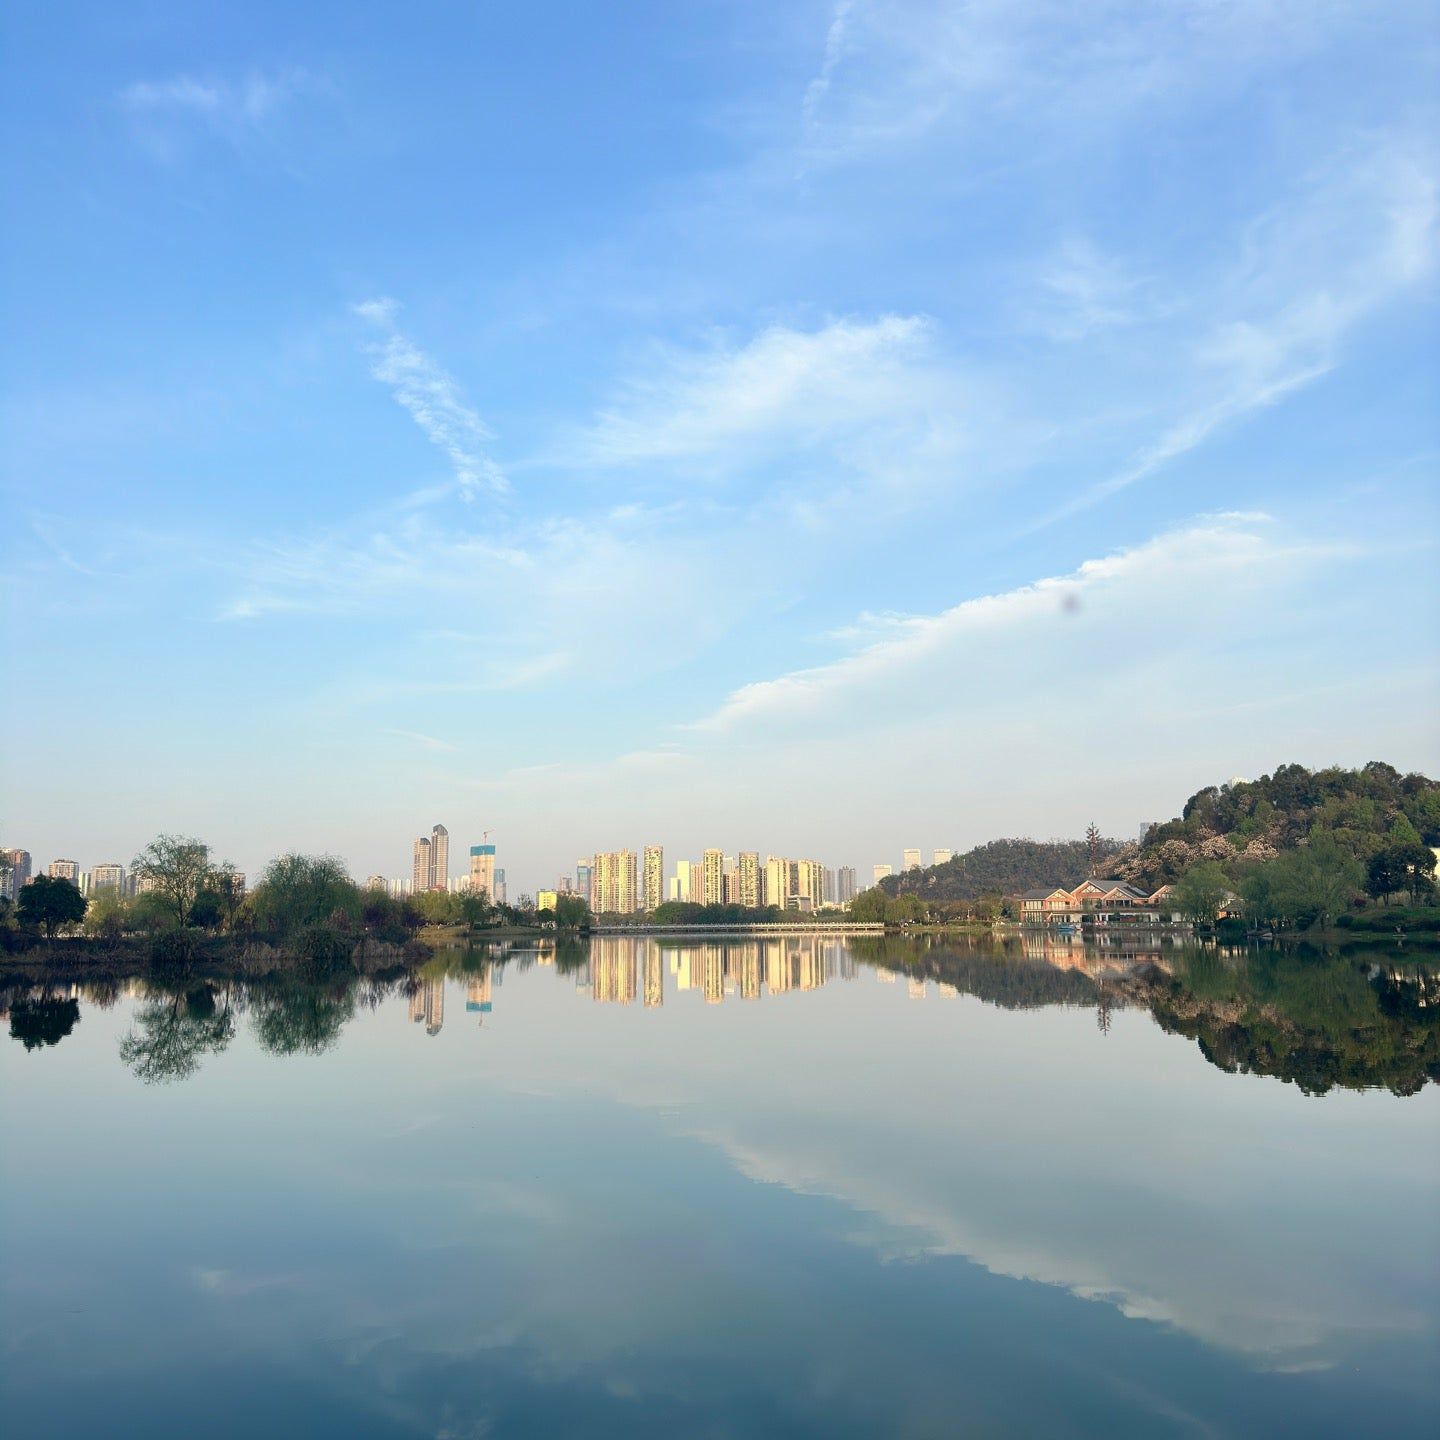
pixel 206 911
pixel 438 907
pixel 1383 875
pixel 571 913
pixel 228 886
pixel 107 916
pixel 869 906
pixel 297 891
pixel 1311 885
pixel 474 910
pixel 47 904
pixel 174 867
pixel 1201 891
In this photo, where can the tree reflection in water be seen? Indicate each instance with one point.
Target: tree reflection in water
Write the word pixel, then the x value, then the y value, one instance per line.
pixel 43 1021
pixel 172 1034
pixel 1313 1018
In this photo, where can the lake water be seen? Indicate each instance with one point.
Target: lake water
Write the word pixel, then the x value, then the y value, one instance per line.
pixel 810 1187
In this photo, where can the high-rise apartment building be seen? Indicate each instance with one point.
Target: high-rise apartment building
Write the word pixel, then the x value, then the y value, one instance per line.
pixel 844 884
pixel 439 858
pixel 809 884
pixel 912 859
pixel 482 871
pixel 16 874
pixel 65 870
pixel 376 882
pixel 615 883
pixel 829 886
pixel 777 883
pixel 881 871
pixel 688 882
pixel 942 857
pixel 713 863
pixel 654 877
pixel 747 876
pixel 430 867
pixel 109 876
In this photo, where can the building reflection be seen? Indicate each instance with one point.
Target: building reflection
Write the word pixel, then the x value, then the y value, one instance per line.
pixel 478 999
pixel 427 1005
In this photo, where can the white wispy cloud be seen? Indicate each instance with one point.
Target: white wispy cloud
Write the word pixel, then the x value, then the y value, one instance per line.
pixel 912 651
pixel 426 742
pixel 784 386
pixel 433 399
pixel 1311 271
pixel 893 73
pixel 1086 291
pixel 813 421
pixel 834 53
pixel 233 109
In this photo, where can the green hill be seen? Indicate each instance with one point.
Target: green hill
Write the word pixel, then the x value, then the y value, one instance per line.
pixel 1237 824
pixel 1003 867
pixel 1253 820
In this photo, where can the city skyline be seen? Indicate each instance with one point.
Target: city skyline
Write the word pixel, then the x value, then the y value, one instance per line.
pixel 886 358
pixel 742 873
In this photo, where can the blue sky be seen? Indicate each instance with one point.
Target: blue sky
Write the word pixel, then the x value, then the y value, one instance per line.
pixel 818 428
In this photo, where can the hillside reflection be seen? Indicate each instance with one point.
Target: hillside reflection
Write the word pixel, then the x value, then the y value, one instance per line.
pixel 1318 1020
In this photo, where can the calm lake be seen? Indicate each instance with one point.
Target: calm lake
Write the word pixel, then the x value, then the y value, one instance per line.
pixel 802 1187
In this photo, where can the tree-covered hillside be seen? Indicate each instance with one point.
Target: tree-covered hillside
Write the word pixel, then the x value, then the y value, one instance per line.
pixel 1362 811
pixel 1004 867
pixel 1375 825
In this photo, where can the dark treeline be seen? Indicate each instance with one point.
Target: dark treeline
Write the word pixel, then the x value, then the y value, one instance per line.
pixel 308 905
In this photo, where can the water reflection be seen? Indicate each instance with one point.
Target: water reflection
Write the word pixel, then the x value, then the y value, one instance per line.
pixel 1320 1021
pixel 698 1187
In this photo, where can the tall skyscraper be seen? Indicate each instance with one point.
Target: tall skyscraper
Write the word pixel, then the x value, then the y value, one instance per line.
pixel 912 859
pixel 942 857
pixel 502 895
pixel 482 871
pixel 829 886
pixel 65 870
pixel 748 879
pixel 439 858
pixel 420 869
pixel 654 892
pixel 584 871
pixel 881 871
pixel 713 862
pixel 845 884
